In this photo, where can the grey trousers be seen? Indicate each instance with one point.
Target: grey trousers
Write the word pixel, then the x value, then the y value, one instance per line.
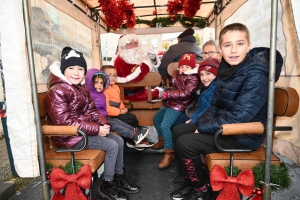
pixel 113 145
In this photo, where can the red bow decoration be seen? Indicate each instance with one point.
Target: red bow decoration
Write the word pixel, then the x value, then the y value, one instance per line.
pixel 229 185
pixel 59 180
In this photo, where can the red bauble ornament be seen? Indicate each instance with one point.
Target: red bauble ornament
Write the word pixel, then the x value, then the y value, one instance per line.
pixel 196 24
pixel 154 12
pixel 259 192
pixel 172 19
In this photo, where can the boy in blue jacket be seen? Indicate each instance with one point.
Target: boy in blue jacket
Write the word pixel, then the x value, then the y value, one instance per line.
pixel 240 96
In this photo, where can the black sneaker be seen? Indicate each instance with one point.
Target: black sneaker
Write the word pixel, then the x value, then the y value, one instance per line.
pixel 179 179
pixel 140 134
pixel 108 190
pixel 181 192
pixel 199 195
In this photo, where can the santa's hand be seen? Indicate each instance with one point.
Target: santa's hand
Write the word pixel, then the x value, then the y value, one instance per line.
pixel 152 55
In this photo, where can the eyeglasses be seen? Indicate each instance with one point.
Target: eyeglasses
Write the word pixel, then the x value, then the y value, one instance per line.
pixel 112 75
pixel 210 53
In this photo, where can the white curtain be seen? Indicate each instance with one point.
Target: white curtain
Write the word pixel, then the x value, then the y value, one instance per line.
pixel 20 115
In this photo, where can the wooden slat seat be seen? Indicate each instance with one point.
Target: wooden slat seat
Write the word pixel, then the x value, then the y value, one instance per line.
pixel 242 160
pixel 286 103
pixel 92 157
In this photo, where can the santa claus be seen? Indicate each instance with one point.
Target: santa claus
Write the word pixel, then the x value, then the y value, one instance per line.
pixel 133 64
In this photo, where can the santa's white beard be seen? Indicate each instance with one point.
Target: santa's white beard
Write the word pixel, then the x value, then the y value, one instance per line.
pixel 134 55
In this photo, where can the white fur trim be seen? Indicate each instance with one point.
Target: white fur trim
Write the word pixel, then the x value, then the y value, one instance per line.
pixel 131 76
pixel 128 37
pixel 55 70
pixel 192 71
pixel 157 62
pixel 149 64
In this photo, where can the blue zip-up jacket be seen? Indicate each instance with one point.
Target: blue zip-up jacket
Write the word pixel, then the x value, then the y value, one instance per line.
pixel 242 98
pixel 204 102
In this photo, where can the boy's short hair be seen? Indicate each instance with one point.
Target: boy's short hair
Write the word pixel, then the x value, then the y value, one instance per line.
pixel 234 27
pixel 104 67
pixel 99 76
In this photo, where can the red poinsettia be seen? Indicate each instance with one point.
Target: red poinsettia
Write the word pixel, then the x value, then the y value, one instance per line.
pixel 190 7
pixel 128 12
pixel 174 6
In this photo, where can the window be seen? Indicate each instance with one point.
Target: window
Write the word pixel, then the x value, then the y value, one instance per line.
pixel 154 42
pixel 144 41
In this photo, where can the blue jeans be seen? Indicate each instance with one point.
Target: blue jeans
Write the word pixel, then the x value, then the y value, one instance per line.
pixel 113 145
pixel 120 127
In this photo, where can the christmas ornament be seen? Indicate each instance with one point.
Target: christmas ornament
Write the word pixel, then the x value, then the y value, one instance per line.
pixel 171 19
pixel 154 12
pixel 73 183
pixel 229 185
pixel 196 24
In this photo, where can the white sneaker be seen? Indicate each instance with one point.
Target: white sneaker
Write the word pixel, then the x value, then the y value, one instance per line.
pixel 132 146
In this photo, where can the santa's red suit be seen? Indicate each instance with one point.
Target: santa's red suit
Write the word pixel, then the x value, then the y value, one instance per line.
pixel 132 65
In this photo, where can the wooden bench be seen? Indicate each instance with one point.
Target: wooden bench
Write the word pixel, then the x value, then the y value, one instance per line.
pixel 144 110
pixel 60 157
pixel 286 103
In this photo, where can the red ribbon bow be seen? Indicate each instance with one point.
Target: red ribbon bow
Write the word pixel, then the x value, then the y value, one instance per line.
pixel 219 180
pixel 59 180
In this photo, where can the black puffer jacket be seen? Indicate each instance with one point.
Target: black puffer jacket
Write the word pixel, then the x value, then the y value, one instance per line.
pixel 241 98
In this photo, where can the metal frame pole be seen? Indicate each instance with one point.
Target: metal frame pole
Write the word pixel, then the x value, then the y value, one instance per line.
pixel 45 184
pixel 272 61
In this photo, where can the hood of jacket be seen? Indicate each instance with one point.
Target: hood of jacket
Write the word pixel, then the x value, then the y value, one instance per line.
pixel 262 54
pixel 57 76
pixel 189 38
pixel 89 79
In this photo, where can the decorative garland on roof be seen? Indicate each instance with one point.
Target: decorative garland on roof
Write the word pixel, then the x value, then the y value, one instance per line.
pixel 186 22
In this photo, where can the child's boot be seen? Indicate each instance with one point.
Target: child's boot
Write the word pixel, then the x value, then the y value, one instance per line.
pixel 123 184
pixel 108 190
pixel 167 159
pixel 159 144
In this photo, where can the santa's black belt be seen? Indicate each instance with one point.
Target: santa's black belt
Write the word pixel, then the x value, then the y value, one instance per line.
pixel 130 92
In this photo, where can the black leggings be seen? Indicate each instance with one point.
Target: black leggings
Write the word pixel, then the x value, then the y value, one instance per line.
pixel 191 146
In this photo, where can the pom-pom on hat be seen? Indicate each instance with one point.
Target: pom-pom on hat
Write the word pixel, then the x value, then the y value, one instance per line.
pixel 210 65
pixel 71 57
pixel 187 32
pixel 188 59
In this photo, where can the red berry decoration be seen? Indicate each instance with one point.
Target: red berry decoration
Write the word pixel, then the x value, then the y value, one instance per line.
pixel 154 12
pixel 259 192
pixel 172 19
pixel 196 24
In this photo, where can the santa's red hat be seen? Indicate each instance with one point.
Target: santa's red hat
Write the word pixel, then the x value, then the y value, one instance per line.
pixel 126 39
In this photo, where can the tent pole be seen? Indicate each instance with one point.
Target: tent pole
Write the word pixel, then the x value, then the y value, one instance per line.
pixel 45 184
pixel 272 61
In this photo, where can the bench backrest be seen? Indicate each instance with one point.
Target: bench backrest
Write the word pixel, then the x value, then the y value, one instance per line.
pixel 151 80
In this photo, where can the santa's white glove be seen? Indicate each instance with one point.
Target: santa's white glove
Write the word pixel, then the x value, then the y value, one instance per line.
pixel 152 55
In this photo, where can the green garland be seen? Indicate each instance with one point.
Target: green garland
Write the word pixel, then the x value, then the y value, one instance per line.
pixel 67 168
pixel 279 174
pixel 186 22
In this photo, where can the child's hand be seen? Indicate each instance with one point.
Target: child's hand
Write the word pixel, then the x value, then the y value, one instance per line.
pixel 124 110
pixel 104 130
pixel 188 121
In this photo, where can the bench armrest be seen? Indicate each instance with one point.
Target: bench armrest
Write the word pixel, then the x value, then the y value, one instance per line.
pixel 52 130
